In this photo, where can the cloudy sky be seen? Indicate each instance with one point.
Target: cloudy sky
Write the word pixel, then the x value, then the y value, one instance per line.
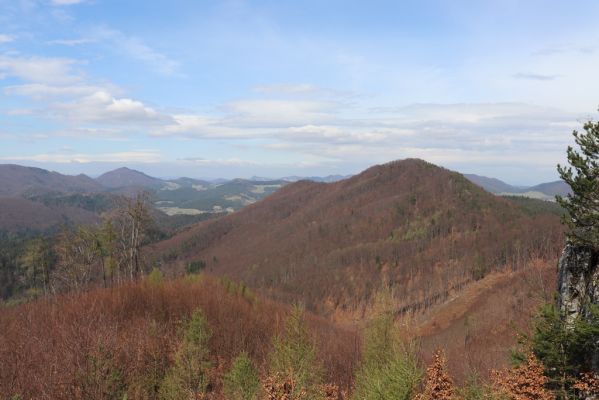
pixel 272 88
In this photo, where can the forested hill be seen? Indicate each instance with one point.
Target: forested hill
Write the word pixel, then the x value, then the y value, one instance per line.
pixel 419 228
pixel 27 181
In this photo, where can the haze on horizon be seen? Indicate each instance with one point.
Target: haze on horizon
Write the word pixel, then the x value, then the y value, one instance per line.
pixel 270 88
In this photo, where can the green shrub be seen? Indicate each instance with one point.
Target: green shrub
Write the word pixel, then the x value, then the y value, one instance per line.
pixel 189 375
pixel 294 356
pixel 195 267
pixel 155 277
pixel 389 368
pixel 242 381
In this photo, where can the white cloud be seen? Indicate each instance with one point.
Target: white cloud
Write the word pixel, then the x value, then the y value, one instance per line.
pixel 6 38
pixel 41 91
pixel 287 88
pixel 102 107
pixel 535 76
pixel 218 161
pixel 66 2
pixel 278 113
pixel 136 156
pixel 135 48
pixel 71 42
pixel 53 71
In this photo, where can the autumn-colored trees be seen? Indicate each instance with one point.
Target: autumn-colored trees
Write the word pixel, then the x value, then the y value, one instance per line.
pixel 523 382
pixel 109 253
pixel 438 384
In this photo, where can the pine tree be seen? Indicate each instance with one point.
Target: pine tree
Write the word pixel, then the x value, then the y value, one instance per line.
pixel 389 370
pixel 242 381
pixel 294 357
pixel 565 349
pixel 582 175
pixel 188 378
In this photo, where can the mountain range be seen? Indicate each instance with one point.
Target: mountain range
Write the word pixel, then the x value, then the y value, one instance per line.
pixel 543 191
pixel 458 261
pixel 53 198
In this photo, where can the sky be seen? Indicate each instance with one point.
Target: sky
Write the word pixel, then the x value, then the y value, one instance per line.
pixel 276 88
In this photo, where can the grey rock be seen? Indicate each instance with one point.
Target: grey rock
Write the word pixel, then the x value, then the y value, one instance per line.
pixel 578 285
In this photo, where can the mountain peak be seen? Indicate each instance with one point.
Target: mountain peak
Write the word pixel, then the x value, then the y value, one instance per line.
pixel 124 177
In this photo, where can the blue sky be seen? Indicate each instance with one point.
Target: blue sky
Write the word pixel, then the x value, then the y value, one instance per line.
pixel 275 88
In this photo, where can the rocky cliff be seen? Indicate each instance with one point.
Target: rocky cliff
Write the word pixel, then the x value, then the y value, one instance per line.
pixel 578 285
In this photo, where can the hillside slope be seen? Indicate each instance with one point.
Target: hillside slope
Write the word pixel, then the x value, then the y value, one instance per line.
pixel 24 181
pixel 120 342
pixel 20 215
pixel 418 228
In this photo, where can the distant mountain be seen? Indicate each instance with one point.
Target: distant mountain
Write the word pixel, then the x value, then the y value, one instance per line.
pixel 22 215
pixel 543 191
pixel 420 228
pixel 126 177
pixel 327 179
pixel 187 196
pixel 492 185
pixel 552 188
pixel 16 180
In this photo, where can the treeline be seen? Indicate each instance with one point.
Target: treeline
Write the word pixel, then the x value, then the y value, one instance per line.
pixel 73 257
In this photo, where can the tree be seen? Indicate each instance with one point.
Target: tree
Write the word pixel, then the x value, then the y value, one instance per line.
pixel 135 222
pixel 582 176
pixel 389 368
pixel 523 382
pixel 242 381
pixel 565 349
pixel 78 255
pixel 294 357
pixel 188 378
pixel 109 252
pixel 438 384
pixel 37 261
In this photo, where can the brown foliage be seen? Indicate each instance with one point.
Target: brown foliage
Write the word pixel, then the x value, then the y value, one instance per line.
pixel 280 387
pixel 422 229
pixel 588 384
pixel 524 382
pixel 438 384
pixel 283 387
pixel 106 342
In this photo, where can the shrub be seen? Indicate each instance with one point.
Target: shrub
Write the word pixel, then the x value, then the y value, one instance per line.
pixel 195 267
pixel 155 277
pixel 389 368
pixel 523 382
pixel 189 375
pixel 294 357
pixel 438 383
pixel 242 382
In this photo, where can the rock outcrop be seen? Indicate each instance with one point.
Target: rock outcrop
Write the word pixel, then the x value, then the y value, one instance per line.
pixel 578 285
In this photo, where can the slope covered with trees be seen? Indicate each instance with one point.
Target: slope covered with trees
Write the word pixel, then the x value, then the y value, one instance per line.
pixel 409 225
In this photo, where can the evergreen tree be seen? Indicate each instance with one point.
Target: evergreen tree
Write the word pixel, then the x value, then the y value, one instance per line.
pixel 389 368
pixel 188 378
pixel 582 175
pixel 37 261
pixel 565 349
pixel 294 357
pixel 242 381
